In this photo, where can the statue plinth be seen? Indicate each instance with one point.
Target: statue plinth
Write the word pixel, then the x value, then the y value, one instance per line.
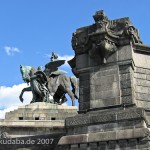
pixel 114 103
pixel 41 111
pixel 40 122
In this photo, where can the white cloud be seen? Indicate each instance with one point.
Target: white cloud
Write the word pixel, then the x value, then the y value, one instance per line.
pixel 9 97
pixel 11 50
pixel 65 57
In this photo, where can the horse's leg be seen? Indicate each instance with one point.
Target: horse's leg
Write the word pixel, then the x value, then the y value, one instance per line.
pixel 22 92
pixel 67 83
pixel 34 97
pixel 60 93
pixel 71 95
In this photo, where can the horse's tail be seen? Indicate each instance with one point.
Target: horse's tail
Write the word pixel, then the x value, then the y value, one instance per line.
pixel 75 86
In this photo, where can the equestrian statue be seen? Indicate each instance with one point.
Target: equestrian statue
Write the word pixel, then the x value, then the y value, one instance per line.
pixel 50 82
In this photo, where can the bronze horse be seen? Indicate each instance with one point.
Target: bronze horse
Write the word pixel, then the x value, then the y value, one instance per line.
pixel 42 86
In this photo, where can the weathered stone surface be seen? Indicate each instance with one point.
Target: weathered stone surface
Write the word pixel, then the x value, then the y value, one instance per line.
pixel 122 144
pixel 112 145
pixel 143 104
pixel 103 117
pixel 103 145
pixel 74 147
pixel 106 72
pixel 141 70
pixel 104 136
pixel 141 96
pixel 105 69
pixel 84 91
pixel 126 84
pixel 103 94
pixel 84 76
pixel 140 76
pixel 104 87
pixel 143 144
pixel 80 130
pixel 133 143
pixel 147 71
pixel 126 92
pixel 105 81
pixel 32 123
pixel 142 92
pixel 125 53
pixel 42 111
pixel 148 77
pixel 93 146
pixel 125 76
pixel 125 69
pixel 83 146
pixel 120 125
pixel 84 105
pixel 101 136
pixel 84 98
pixel 141 82
pixel 84 84
pixel 127 100
pixel 37 119
pixel 113 58
pixel 81 120
pixel 63 147
pixel 114 103
pixel 74 139
pixel 142 89
pixel 82 61
pixel 141 60
pixel 105 102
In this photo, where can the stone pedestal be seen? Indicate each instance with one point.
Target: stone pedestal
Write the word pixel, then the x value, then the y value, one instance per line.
pixel 115 129
pixel 35 126
pixel 114 102
pixel 37 119
pixel 41 111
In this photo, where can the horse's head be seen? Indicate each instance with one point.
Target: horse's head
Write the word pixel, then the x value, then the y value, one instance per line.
pixel 25 72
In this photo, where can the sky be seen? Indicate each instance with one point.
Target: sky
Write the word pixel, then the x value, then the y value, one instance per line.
pixel 31 29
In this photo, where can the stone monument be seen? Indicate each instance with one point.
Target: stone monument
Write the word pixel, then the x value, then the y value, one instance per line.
pixel 43 120
pixel 50 82
pixel 113 67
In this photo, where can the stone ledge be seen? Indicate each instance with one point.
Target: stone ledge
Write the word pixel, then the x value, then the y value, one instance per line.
pixel 41 111
pixel 34 123
pixel 44 105
pixel 105 136
pixel 103 117
pixel 141 48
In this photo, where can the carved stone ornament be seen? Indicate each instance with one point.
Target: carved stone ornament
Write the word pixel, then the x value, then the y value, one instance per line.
pixel 102 39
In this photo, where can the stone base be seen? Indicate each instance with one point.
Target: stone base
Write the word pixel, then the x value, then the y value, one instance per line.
pixel 26 128
pixel 36 119
pixel 104 130
pixel 125 144
pixel 41 111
